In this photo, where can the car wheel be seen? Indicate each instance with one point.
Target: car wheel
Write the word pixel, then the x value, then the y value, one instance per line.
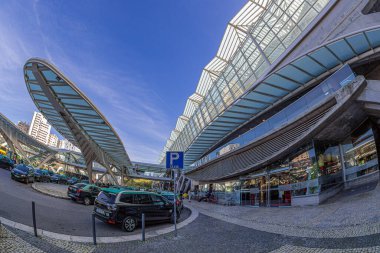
pixel 12 177
pixel 129 224
pixel 87 201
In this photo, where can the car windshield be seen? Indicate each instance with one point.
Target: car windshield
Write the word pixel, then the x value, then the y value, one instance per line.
pixel 80 186
pixel 22 168
pixel 107 197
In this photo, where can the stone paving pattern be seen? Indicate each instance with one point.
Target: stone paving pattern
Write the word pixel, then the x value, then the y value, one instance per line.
pixel 350 214
pixel 220 234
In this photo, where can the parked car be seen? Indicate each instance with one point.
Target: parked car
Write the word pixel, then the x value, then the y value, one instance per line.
pixel 6 163
pixel 170 197
pixel 58 179
pixel 85 193
pixel 41 175
pixel 72 181
pixel 85 181
pixel 72 190
pixel 23 173
pixel 126 207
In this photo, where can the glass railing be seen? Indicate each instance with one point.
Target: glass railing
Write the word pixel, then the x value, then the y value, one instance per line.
pixel 313 98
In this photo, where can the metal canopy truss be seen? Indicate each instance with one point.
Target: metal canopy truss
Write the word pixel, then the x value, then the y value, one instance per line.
pixel 74 116
pixel 254 39
pixel 24 143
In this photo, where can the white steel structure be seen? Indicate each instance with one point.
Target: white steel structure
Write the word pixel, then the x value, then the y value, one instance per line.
pixel 228 94
pixel 75 117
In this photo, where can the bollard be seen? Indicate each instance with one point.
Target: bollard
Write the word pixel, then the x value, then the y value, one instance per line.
pixel 143 227
pixel 93 229
pixel 34 218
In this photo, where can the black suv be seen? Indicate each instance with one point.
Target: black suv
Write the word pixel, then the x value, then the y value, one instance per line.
pixel 126 207
pixel 85 193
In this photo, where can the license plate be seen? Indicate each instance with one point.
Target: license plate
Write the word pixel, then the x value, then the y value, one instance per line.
pixel 101 211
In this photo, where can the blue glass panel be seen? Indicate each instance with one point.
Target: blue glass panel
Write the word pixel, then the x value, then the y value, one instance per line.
pixel 75 101
pixel 342 50
pixel 261 97
pixel 280 81
pixel 309 65
pixel 243 109
pixel 325 57
pixel 271 90
pixel 249 103
pixel 295 74
pixel 225 119
pixel 34 87
pixel 45 106
pixel 50 76
pixel 64 90
pixel 87 120
pixel 232 114
pixel 358 43
pixel 89 112
pixel 39 97
pixel 30 75
pixel 374 37
pixel 98 126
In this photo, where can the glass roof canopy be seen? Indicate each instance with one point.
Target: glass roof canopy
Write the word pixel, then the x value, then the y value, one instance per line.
pixel 254 39
pixel 73 115
pixel 308 68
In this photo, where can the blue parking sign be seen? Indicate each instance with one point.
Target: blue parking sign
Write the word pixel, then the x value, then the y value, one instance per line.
pixel 174 160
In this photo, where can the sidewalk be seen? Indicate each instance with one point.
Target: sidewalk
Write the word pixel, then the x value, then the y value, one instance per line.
pixel 349 216
pixel 54 190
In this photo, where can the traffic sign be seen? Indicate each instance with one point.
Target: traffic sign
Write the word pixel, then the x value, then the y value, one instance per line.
pixel 174 160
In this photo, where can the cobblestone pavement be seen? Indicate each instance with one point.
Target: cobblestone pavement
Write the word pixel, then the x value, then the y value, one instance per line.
pixel 220 234
pixel 54 190
pixel 354 213
pixel 205 234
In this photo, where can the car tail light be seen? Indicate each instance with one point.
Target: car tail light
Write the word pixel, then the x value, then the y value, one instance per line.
pixel 79 190
pixel 111 222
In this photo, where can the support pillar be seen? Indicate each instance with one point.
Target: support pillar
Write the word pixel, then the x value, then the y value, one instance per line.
pixel 89 171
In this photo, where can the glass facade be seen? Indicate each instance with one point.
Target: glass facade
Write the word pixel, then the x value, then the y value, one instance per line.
pixel 307 172
pixel 310 100
pixel 360 155
pixel 279 183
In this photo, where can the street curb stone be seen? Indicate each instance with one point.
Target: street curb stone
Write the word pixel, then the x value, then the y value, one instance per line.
pixel 87 239
pixel 34 186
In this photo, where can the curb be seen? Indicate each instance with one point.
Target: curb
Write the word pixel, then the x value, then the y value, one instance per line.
pixel 104 239
pixel 48 194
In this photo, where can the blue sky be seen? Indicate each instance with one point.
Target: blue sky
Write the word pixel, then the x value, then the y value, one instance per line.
pixel 137 61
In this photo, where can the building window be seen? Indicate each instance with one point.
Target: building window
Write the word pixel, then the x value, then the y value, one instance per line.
pixel 330 168
pixel 360 154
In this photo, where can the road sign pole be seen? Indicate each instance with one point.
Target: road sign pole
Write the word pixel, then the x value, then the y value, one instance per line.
pixel 174 161
pixel 175 203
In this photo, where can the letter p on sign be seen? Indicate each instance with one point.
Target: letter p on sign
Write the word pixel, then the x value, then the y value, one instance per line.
pixel 174 160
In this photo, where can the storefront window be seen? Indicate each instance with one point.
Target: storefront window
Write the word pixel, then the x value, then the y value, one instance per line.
pixel 296 175
pixel 329 164
pixel 360 154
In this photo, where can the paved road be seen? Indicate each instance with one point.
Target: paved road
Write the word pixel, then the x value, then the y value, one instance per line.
pixel 52 214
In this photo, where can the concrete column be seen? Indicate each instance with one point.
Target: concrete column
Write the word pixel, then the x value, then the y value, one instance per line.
pixel 342 163
pixel 89 171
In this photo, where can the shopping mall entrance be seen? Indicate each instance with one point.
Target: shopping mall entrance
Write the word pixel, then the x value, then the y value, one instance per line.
pixel 254 191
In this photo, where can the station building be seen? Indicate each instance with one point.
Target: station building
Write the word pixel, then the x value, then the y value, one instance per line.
pixel 287 113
